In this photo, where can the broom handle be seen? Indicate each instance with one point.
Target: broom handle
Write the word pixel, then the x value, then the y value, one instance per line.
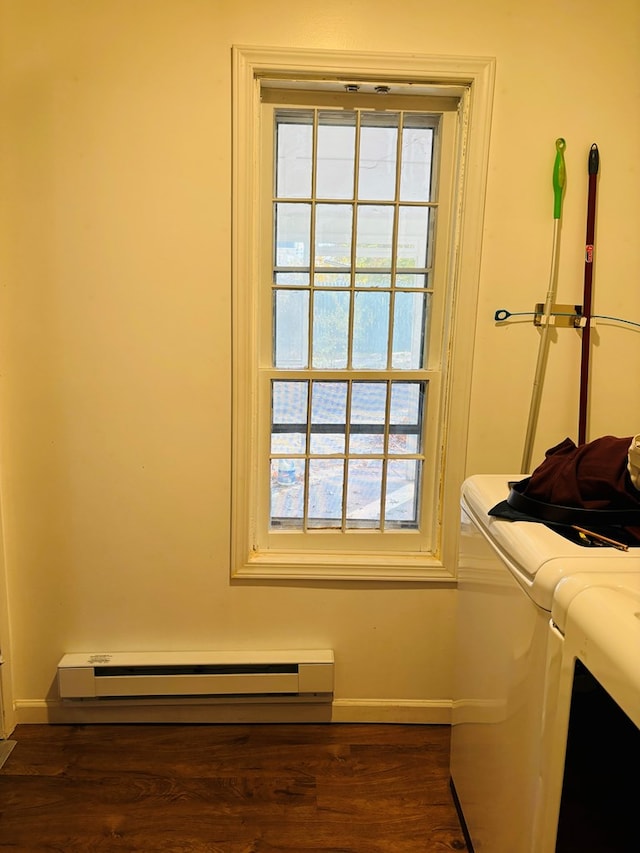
pixel 593 165
pixel 559 180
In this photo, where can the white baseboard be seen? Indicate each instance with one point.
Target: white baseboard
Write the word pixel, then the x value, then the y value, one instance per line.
pixel 428 711
pixel 34 711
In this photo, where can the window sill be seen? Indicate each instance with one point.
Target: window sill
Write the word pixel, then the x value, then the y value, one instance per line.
pixel 392 568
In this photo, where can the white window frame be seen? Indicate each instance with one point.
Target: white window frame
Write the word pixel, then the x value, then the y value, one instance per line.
pixel 470 80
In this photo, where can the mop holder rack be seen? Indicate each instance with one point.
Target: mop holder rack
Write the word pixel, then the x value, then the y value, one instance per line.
pixel 560 316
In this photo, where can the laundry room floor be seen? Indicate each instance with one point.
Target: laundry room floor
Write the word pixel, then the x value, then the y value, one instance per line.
pixel 248 788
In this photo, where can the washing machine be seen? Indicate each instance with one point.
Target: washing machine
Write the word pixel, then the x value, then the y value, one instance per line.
pixel 591 724
pixel 508 572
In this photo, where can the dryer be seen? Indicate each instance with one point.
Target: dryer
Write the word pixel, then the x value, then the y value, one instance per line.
pixel 507 574
pixel 591 726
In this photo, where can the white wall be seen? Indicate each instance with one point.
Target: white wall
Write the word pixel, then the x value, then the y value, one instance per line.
pixel 115 312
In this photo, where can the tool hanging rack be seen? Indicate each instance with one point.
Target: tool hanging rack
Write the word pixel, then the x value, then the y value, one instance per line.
pixel 571 316
pixel 550 313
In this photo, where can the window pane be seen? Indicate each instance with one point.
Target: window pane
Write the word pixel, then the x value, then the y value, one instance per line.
pixel 328 417
pixel 333 235
pixel 326 479
pixel 294 141
pixel 291 278
pixel 289 402
pixel 405 417
pixel 401 500
pixel 293 229
pixel 368 411
pixel 287 491
pixel 368 402
pixel 374 239
pixel 332 279
pixel 288 417
pixel 336 154
pixel 288 442
pixel 378 150
pixel 364 493
pixel 413 233
pixel 409 322
pixel 410 280
pixel 330 328
pixel 371 279
pixel 415 170
pixel 370 329
pixel 291 328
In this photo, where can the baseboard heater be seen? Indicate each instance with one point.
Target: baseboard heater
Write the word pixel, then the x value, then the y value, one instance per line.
pixel 122 675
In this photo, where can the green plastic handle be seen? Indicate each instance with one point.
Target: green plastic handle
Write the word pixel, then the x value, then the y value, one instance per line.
pixel 559 178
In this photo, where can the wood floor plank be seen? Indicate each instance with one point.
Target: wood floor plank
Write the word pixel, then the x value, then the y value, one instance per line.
pixel 332 788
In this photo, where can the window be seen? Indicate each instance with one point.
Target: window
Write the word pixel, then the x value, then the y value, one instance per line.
pixel 350 201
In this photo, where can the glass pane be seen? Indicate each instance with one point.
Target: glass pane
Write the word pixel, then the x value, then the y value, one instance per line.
pixel 289 402
pixel 364 493
pixel 368 402
pixel 405 417
pixel 409 323
pixel 370 330
pixel 288 417
pixel 294 144
pixel 415 168
pixel 288 442
pixel 413 232
pixel 333 235
pixel 291 329
pixel 328 417
pixel 374 235
pixel 292 278
pixel 411 280
pixel 336 154
pixel 332 279
pixel 293 229
pixel 401 500
pixel 326 481
pixel 287 491
pixel 368 409
pixel 371 279
pixel 378 151
pixel 330 328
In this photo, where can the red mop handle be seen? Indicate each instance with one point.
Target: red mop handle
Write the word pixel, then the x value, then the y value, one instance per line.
pixel 593 166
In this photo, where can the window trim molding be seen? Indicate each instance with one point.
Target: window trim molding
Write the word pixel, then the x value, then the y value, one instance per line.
pixel 471 79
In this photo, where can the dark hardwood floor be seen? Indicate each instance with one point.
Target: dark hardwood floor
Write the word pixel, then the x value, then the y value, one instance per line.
pixel 334 788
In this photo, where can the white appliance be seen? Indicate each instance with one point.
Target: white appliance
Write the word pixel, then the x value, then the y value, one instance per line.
pixel 507 574
pixel 591 732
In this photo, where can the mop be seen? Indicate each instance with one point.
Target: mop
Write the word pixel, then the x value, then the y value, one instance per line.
pixel 593 165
